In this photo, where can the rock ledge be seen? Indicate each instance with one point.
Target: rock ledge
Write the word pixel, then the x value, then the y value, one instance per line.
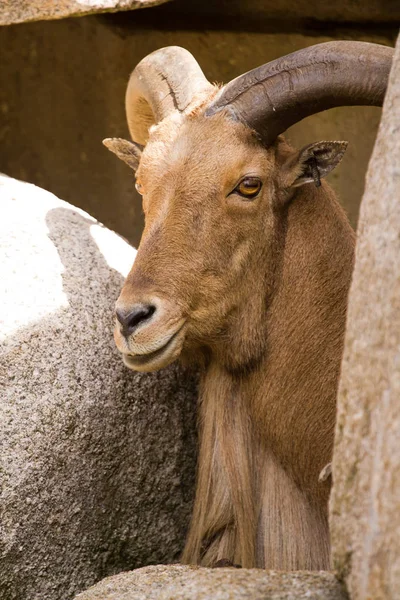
pixel 178 582
pixel 20 11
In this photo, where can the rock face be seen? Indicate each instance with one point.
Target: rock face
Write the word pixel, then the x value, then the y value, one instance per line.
pixel 97 463
pixel 177 582
pixel 18 11
pixel 365 505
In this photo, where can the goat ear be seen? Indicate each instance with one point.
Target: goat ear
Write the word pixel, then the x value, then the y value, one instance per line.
pixel 312 163
pixel 129 152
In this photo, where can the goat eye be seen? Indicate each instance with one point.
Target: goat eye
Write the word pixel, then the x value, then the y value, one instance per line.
pixel 249 187
pixel 139 188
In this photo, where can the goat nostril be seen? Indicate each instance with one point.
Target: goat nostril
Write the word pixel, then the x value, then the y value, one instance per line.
pixel 132 318
pixel 138 315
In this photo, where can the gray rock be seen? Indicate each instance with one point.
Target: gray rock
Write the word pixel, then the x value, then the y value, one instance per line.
pixel 97 463
pixel 365 504
pixel 177 582
pixel 19 11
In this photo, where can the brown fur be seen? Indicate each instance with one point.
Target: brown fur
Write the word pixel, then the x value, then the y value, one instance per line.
pixel 257 292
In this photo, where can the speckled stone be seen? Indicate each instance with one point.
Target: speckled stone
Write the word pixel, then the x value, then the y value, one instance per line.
pixel 97 462
pixel 365 504
pixel 19 11
pixel 177 582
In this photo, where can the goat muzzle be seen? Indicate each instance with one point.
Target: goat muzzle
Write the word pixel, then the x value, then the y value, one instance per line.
pixel 149 334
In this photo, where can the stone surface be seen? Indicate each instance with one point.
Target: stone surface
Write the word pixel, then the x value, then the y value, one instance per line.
pixel 62 89
pixel 365 504
pixel 177 582
pixel 97 462
pixel 19 11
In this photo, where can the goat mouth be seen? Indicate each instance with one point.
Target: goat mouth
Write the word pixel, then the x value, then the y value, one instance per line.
pixel 158 358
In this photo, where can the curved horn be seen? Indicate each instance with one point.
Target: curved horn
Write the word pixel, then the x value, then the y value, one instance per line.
pixel 273 97
pixel 164 81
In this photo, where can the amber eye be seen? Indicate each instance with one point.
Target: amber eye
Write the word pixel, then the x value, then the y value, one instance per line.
pixel 139 188
pixel 249 187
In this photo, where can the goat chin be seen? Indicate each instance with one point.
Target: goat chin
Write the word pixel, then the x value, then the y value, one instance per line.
pixel 157 359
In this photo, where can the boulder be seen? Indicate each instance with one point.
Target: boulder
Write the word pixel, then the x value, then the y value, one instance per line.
pixel 19 11
pixel 97 463
pixel 365 503
pixel 177 582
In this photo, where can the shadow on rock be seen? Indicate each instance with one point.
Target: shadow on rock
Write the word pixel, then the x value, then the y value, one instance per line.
pixel 98 462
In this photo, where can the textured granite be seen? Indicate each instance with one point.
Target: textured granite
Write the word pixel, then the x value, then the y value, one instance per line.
pixel 97 462
pixel 365 504
pixel 177 582
pixel 19 11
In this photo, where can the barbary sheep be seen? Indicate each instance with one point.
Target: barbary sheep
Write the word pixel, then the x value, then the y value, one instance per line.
pixel 244 269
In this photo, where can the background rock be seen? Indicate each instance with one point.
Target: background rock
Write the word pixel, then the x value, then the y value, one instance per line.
pixel 365 504
pixel 62 90
pixel 177 582
pixel 97 463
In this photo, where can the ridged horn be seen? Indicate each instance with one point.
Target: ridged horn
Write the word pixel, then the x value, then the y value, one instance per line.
pixel 164 81
pixel 273 97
